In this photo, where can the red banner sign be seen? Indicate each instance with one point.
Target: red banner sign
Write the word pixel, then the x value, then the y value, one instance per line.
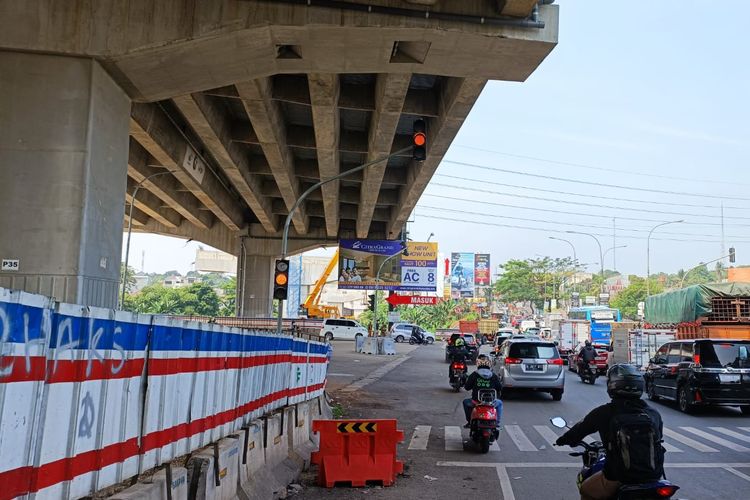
pixel 416 300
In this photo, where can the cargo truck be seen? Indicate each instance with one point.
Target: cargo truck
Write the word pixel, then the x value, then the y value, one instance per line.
pixel 572 333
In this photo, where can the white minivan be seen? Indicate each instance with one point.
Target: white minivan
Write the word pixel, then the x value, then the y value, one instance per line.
pixel 347 329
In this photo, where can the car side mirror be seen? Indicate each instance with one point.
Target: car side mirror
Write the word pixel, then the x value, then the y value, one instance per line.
pixel 558 422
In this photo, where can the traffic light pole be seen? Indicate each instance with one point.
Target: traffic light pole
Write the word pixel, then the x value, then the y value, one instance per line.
pixel 303 196
pixel 682 281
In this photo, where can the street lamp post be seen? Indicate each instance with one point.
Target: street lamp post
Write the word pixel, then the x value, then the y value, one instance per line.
pixel 575 257
pixel 287 222
pixel 613 248
pixel 601 256
pixel 130 230
pixel 377 289
pixel 648 253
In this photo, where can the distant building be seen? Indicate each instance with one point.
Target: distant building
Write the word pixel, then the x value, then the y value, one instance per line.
pixel 741 274
pixel 616 284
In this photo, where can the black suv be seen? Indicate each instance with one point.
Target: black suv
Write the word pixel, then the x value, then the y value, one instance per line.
pixel 471 346
pixel 701 372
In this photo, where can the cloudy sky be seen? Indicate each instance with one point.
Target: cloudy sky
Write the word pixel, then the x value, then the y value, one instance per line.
pixel 640 114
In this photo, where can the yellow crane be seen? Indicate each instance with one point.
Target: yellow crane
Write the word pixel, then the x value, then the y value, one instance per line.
pixel 311 305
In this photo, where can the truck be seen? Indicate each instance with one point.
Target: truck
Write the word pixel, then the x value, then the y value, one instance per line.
pixel 572 333
pixel 468 326
pixel 526 324
pixel 488 329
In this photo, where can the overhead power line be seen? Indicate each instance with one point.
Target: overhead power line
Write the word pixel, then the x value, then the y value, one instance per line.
pixel 549 230
pixel 582 203
pixel 586 195
pixel 591 183
pixel 603 169
pixel 565 212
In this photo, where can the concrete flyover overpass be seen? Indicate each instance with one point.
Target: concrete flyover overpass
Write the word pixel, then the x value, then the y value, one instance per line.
pixel 241 105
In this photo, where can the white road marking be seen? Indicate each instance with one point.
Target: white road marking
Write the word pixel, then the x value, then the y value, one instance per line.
pixel 550 436
pixel 735 435
pixel 671 448
pixel 555 465
pixel 716 439
pixel 737 473
pixel 453 439
pixel 494 446
pixel 519 438
pixel 746 429
pixel 689 442
pixel 420 437
pixel 331 374
pixel 505 485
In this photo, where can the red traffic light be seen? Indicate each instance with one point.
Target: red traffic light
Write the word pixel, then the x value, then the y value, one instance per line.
pixel 420 139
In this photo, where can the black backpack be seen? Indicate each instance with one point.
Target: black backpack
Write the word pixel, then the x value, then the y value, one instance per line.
pixel 634 448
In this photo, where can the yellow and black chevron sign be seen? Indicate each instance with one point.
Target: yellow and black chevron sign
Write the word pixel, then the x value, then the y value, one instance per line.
pixel 357 427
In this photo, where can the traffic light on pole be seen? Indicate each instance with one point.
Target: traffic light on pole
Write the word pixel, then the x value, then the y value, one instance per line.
pixel 732 256
pixel 371 302
pixel 281 279
pixel 419 140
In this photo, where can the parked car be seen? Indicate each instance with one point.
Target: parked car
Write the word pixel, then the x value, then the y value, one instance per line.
pixel 701 372
pixel 531 365
pixel 471 346
pixel 342 329
pixel 401 332
pixel 602 354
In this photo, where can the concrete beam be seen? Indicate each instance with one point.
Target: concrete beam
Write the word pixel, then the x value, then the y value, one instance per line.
pixel 308 170
pixel 390 92
pixel 457 98
pixel 324 97
pixel 386 197
pixel 151 204
pixel 346 211
pixel 219 236
pixel 166 187
pixel 213 127
pixel 155 131
pixel 268 123
pixel 140 218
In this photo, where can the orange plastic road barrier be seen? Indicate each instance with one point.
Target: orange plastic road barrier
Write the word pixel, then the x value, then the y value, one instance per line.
pixel 357 451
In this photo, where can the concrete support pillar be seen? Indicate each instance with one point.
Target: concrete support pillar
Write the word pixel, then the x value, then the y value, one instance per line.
pixel 63 162
pixel 254 291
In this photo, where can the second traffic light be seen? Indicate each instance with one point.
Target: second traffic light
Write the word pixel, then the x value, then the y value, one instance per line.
pixel 732 256
pixel 281 279
pixel 371 302
pixel 419 140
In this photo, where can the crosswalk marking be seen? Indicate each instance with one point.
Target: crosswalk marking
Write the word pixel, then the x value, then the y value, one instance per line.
pixel 671 448
pixel 453 439
pixel 716 439
pixel 689 442
pixel 735 435
pixel 550 436
pixel 420 437
pixel 746 429
pixel 519 438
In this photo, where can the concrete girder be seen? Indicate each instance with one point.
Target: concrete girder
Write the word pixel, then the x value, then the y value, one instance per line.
pixel 151 204
pixel 166 187
pixel 308 170
pixel 390 93
pixel 347 194
pixel 151 127
pixel 457 98
pixel 324 96
pixel 268 124
pixel 346 211
pixel 213 128
pixel 219 236
pixel 140 218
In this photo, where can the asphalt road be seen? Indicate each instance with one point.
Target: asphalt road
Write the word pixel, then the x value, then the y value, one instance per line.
pixel 708 457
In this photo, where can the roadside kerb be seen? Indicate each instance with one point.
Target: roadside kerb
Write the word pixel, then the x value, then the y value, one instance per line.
pixel 155 488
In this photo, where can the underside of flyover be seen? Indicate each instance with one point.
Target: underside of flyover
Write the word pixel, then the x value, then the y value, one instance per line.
pixel 237 107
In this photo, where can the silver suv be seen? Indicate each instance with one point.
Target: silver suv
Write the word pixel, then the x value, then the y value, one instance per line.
pixel 401 332
pixel 531 364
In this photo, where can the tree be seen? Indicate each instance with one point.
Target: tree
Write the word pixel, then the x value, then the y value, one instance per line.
pixel 198 299
pixel 229 297
pixel 628 298
pixel 517 283
pixel 129 278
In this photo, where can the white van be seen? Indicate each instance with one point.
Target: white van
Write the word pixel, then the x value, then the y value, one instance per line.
pixel 344 329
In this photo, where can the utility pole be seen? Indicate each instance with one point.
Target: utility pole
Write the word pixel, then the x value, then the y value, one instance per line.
pixel 723 248
pixel 614 243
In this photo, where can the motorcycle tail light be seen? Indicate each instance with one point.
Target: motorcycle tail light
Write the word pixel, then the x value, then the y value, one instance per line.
pixel 458 366
pixel 666 491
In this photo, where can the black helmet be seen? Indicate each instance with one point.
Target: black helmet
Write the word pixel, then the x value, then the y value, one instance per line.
pixel 588 343
pixel 624 381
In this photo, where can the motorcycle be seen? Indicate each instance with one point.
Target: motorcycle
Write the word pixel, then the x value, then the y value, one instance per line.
pixel 418 340
pixel 458 375
pixel 595 455
pixel 589 373
pixel 483 423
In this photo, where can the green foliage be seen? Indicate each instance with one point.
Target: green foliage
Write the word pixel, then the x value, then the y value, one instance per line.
pixel 627 299
pixel 129 278
pixel 382 308
pixel 533 280
pixel 198 299
pixel 229 297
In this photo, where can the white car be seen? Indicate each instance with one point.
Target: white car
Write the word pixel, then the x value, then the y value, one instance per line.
pixel 401 332
pixel 344 329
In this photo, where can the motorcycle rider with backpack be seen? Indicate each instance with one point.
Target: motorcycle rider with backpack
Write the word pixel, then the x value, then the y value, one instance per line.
pixel 586 356
pixel 482 378
pixel 630 430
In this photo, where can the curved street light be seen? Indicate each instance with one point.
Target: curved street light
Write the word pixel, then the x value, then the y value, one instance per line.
pixel 378 287
pixel 648 253
pixel 613 248
pixel 601 256
pixel 130 230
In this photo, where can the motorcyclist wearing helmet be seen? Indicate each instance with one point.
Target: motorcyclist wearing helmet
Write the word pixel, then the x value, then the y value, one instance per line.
pixel 417 334
pixel 482 378
pixel 625 387
pixel 586 356
pixel 459 353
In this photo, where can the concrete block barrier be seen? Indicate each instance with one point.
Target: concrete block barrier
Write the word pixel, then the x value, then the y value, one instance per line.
pixel 214 472
pixel 389 346
pixel 370 346
pixel 298 433
pixel 155 488
pixel 256 482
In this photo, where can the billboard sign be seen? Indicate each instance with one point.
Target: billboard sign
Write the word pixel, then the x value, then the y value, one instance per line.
pixel 359 261
pixel 482 269
pixel 462 275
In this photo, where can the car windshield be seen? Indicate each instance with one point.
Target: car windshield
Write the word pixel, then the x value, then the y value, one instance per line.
pixel 725 354
pixel 535 350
